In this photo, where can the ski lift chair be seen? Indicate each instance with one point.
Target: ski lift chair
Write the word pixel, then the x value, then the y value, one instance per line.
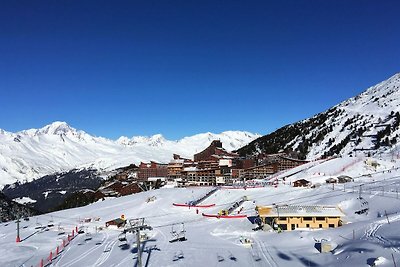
pixel 88 236
pixel 122 237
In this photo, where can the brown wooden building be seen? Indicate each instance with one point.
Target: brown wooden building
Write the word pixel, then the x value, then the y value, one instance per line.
pixel 152 169
pixel 271 164
pixel 301 183
pixel 214 152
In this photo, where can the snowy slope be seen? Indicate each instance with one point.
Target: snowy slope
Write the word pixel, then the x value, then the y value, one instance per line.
pixel 58 147
pixel 367 124
pixel 363 240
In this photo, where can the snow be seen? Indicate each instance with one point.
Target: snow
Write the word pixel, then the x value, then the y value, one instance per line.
pixel 24 200
pixel 363 240
pixel 371 111
pixel 59 147
pixel 46 193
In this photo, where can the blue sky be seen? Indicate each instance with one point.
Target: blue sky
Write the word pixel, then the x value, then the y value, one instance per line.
pixel 179 68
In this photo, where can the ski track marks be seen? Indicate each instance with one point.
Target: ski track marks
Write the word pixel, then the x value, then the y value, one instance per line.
pixel 81 256
pixel 371 233
pixel 265 253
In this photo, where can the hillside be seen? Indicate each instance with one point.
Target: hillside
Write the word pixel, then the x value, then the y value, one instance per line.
pixel 46 193
pixel 58 147
pixel 10 210
pixel 367 124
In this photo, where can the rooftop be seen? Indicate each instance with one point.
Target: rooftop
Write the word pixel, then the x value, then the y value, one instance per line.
pixel 299 211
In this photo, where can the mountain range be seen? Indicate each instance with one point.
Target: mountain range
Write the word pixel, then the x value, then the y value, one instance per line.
pixel 58 147
pixel 367 124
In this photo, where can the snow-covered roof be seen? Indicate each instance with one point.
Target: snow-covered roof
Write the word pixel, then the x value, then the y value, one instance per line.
pixel 190 169
pixel 299 211
pixel 156 178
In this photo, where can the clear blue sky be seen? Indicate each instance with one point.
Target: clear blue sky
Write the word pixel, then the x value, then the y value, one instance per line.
pixel 178 68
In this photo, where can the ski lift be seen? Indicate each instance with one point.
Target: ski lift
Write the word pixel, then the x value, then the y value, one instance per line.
pixel 178 255
pixel 60 230
pixel 122 237
pixel 232 257
pixel 88 236
pixel 38 224
pixel 178 236
pixel 51 222
pixel 255 255
pixel 364 206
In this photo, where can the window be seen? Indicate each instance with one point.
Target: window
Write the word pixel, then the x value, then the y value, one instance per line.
pixel 308 225
pixel 320 225
pixel 331 225
pixel 320 218
pixel 307 219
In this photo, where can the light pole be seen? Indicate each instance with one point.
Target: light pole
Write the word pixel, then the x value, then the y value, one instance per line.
pixel 279 219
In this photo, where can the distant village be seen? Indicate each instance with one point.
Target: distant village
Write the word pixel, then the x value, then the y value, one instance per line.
pixel 214 166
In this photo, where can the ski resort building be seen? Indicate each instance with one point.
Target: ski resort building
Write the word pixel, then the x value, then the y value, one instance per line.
pixel 177 165
pixel 291 217
pixel 214 152
pixel 215 166
pixel 270 164
pixel 152 169
pixel 301 183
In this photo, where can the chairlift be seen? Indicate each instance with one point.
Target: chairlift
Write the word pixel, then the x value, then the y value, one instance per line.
pixel 107 248
pixel 122 237
pixel 256 257
pixel 178 236
pixel 364 206
pixel 88 236
pixel 232 257
pixel 38 226
pixel 173 232
pixel 60 230
pixel 178 255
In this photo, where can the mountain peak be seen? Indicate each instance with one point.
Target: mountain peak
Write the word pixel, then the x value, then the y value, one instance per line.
pixel 57 127
pixel 366 124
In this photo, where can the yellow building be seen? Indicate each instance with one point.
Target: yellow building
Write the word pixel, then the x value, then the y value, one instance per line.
pixel 291 217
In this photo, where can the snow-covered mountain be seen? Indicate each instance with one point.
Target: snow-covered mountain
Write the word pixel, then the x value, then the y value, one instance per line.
pixel 59 147
pixel 365 124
